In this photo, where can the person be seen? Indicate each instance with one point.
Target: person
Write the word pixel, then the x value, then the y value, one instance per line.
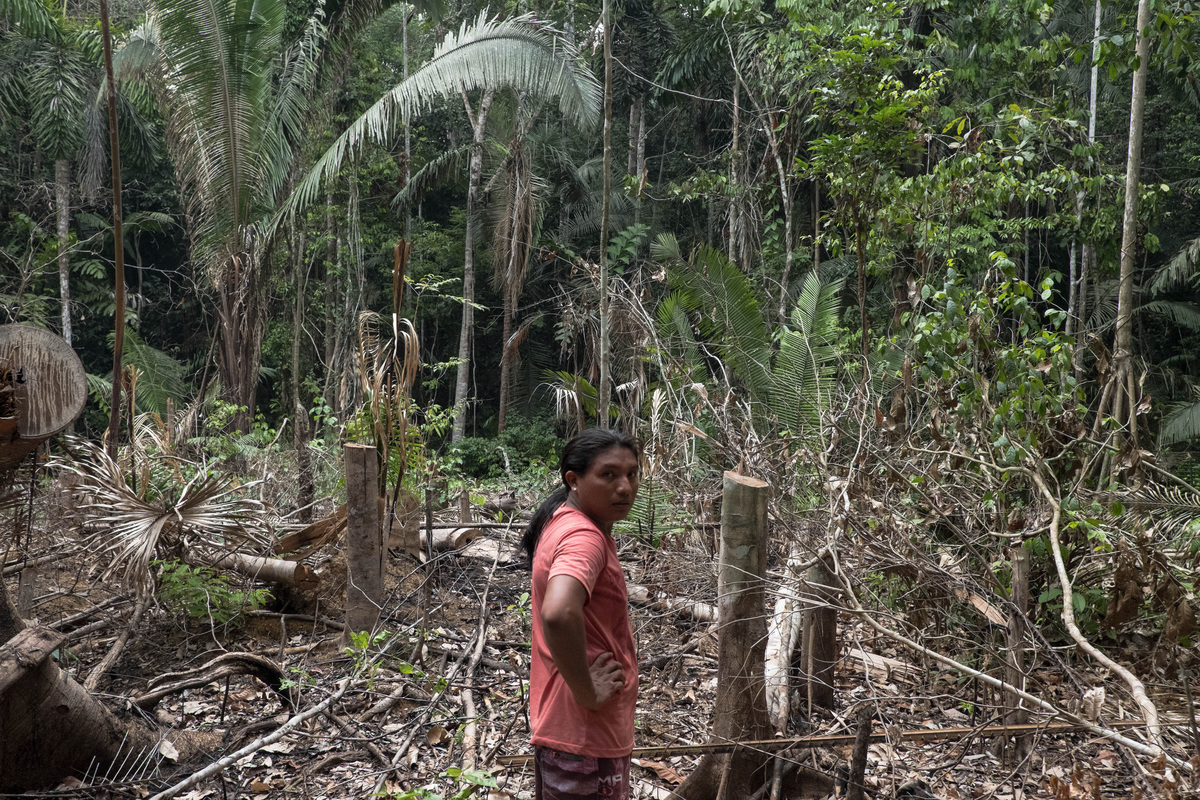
pixel 583 677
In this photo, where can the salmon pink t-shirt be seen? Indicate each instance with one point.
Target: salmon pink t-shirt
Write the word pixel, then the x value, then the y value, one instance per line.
pixel 571 544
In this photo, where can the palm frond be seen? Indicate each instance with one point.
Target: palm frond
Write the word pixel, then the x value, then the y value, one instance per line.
pixel 32 17
pixel 1182 421
pixel 134 530
pixel 514 53
pixel 1181 269
pixel 805 365
pixel 445 166
pixel 1184 314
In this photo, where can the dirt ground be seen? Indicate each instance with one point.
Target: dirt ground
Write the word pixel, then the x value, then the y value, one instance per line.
pixel 426 653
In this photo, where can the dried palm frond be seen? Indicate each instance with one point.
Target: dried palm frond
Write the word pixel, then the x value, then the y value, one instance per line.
pixel 387 368
pixel 133 530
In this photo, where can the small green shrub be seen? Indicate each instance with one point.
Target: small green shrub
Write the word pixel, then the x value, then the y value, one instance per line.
pixel 204 594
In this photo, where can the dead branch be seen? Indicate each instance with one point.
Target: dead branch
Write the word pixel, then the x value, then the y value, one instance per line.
pixel 819 741
pixel 1136 687
pixel 283 730
pixel 114 653
pixel 223 666
pixel 996 683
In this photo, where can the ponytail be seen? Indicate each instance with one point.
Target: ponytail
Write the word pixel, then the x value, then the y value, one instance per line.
pixel 541 518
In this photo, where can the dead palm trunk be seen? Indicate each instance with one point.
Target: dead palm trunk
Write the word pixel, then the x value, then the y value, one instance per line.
pixel 466 335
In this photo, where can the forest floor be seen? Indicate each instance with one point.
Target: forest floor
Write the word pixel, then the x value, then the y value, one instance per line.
pixel 347 753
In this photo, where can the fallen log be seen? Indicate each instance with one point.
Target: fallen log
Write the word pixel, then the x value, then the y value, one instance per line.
pixel 700 612
pixel 272 570
pixel 23 652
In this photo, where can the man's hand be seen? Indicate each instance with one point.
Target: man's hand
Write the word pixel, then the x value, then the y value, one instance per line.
pixel 607 682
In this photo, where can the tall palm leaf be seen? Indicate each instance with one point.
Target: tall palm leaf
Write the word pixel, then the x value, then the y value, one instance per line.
pixel 491 54
pixel 235 100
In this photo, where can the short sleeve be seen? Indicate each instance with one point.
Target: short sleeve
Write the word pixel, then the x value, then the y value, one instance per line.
pixel 582 555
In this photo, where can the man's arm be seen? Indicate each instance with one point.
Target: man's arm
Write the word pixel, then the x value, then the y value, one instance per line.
pixel 565 633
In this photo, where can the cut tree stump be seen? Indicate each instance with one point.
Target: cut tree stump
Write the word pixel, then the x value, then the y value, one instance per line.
pixel 364 540
pixel 740 712
pixel 819 646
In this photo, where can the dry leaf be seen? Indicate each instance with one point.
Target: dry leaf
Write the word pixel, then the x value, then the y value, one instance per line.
pixel 259 786
pixel 168 750
pixel 438 735
pixel 661 770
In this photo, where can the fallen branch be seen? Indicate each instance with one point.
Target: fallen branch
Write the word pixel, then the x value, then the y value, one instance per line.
pixel 996 683
pixel 841 739
pixel 700 612
pixel 110 658
pixel 1136 687
pixel 283 730
pixel 223 666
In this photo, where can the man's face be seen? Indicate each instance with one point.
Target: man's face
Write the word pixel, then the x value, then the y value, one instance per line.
pixel 605 492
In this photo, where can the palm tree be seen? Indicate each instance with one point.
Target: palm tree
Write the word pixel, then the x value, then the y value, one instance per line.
pixel 50 79
pixel 485 56
pixel 235 99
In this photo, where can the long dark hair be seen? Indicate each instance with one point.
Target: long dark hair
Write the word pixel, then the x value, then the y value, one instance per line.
pixel 577 457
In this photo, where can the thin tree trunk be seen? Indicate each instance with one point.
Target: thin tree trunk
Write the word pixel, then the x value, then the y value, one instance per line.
pixel 605 383
pixel 466 337
pixel 1087 257
pixel 62 202
pixel 114 419
pixel 1123 350
pixel 819 639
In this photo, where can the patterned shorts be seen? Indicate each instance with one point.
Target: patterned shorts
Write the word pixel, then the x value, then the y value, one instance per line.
pixel 566 776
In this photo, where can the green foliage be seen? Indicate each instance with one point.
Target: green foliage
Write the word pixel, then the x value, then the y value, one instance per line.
pixel 463 783
pixel 523 444
pixel 994 360
pixel 204 594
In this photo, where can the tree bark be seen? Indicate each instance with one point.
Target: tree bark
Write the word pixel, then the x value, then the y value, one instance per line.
pixel 740 712
pixel 820 648
pixel 62 203
pixel 1123 349
pixel 364 539
pixel 466 337
pixel 51 728
pixel 272 570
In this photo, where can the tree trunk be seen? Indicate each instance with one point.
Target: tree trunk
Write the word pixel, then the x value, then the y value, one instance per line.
pixel 820 648
pixel 62 202
pixel 240 315
pixel 1123 349
pixel 740 712
pixel 466 336
pixel 364 539
pixel 114 144
pixel 51 728
pixel 604 385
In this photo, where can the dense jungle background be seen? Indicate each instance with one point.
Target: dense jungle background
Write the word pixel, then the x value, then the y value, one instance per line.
pixel 930 271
